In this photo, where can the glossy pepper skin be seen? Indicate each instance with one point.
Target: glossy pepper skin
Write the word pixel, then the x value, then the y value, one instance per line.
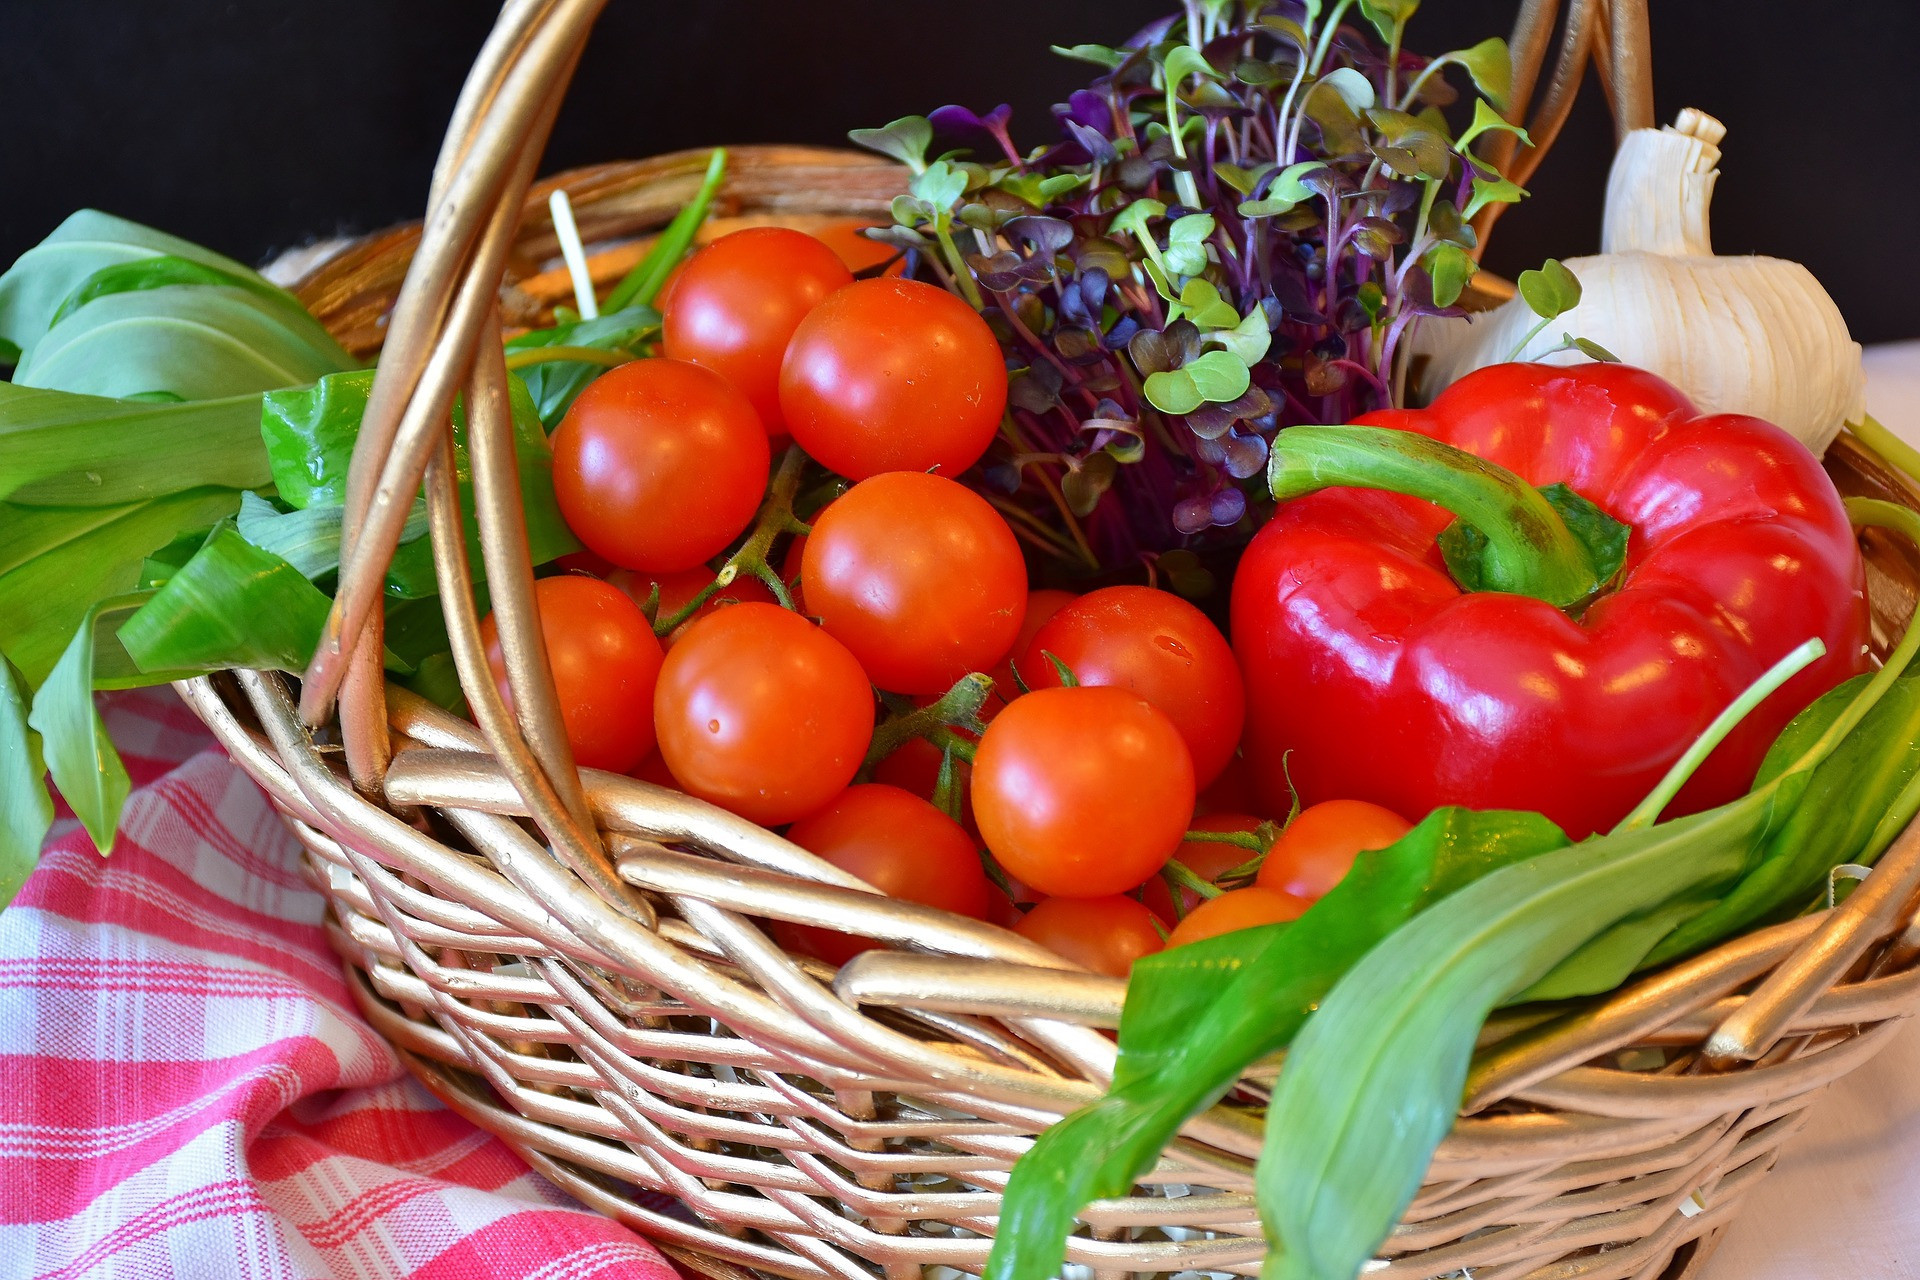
pixel 1386 682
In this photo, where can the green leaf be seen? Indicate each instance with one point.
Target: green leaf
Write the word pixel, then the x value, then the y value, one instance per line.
pixel 26 810
pixel 171 269
pixel 438 681
pixel 1551 291
pixel 1201 303
pixel 1172 391
pixel 84 765
pixel 1084 484
pixel 1353 88
pixel 1097 54
pixel 1591 349
pixel 1451 267
pixel 62 449
pixel 1491 67
pixel 1197 1015
pixel 1241 180
pixel 554 384
pixel 26 532
pixel 32 290
pixel 940 185
pixel 1485 118
pixel 1248 340
pixel 199 342
pixel 232 605
pixel 1187 243
pixel 1219 376
pixel 1286 191
pixel 640 286
pixel 1464 547
pixel 1407 146
pixel 905 139
pixel 1374 1081
pixel 309 540
pixel 1134 218
pixel 1492 190
pixel 43 600
pixel 1184 60
pixel 1385 15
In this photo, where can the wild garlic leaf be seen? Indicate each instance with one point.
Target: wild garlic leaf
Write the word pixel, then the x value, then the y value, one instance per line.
pixel 231 605
pixel 89 772
pixel 45 275
pixel 59 449
pixel 554 384
pixel 26 810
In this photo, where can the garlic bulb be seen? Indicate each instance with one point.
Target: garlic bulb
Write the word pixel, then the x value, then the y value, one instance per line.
pixel 1737 334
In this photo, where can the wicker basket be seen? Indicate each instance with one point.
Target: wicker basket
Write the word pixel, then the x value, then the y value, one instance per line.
pixel 601 994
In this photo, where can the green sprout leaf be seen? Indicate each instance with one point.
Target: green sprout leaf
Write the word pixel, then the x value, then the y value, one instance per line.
pixel 26 810
pixel 905 139
pixel 1486 119
pixel 1249 339
pixel 1201 303
pixel 1385 15
pixel 1491 187
pixel 1215 377
pixel 1084 484
pixel 1354 89
pixel 1187 243
pixel 1451 267
pixel 1097 54
pixel 1407 146
pixel 1134 218
pixel 1184 60
pixel 1286 190
pixel 940 185
pixel 1491 67
pixel 1551 291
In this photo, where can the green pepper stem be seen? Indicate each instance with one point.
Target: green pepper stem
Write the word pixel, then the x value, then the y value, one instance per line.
pixel 1530 550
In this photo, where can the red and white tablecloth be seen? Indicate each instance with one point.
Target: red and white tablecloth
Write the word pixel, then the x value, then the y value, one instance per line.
pixel 187 1091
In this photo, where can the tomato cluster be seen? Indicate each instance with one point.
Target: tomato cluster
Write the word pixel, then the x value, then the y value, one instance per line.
pixel 1096 727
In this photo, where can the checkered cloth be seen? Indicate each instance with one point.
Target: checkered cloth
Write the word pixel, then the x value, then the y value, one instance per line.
pixel 186 1089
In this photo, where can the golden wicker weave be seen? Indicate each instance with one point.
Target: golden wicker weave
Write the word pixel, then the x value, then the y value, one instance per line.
pixel 574 960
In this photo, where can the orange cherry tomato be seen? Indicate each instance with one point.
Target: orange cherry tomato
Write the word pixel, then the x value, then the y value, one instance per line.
pixel 1237 909
pixel 1158 646
pixel 1318 847
pixel 1208 859
pixel 1105 935
pixel 605 664
pixel 856 250
pixel 737 302
pixel 893 375
pixel 659 464
pixel 919 577
pixel 899 844
pixel 1082 792
pixel 761 712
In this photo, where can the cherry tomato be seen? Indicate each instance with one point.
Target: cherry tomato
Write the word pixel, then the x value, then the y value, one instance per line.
pixel 586 562
pixel 790 562
pixel 1158 646
pixel 1082 792
pixel 659 464
pixel 760 711
pixel 738 301
pixel 1105 935
pixel 1233 791
pixel 857 251
pixel 919 577
pixel 1237 909
pixel 1042 604
pixel 1318 847
pixel 899 844
pixel 676 589
pixel 605 663
pixel 915 767
pixel 653 769
pixel 893 375
pixel 1208 859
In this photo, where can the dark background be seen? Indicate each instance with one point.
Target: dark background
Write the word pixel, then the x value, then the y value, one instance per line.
pixel 254 125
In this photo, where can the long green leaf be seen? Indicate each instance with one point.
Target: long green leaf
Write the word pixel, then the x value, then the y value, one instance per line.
pixel 1374 1081
pixel 61 449
pixel 309 540
pixel 26 810
pixel 26 532
pixel 642 284
pixel 43 600
pixel 198 342
pixel 171 269
pixel 1197 1015
pixel 44 276
pixel 80 757
pixel 231 605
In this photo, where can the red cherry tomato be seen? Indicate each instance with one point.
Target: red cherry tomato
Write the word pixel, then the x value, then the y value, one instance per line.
pixel 659 464
pixel 1042 604
pixel 605 663
pixel 790 562
pixel 653 769
pixel 1208 859
pixel 676 589
pixel 1105 935
pixel 760 711
pixel 1233 791
pixel 1237 909
pixel 899 844
pixel 919 577
pixel 893 375
pixel 1318 847
pixel 1157 646
pixel 1082 792
pixel 738 301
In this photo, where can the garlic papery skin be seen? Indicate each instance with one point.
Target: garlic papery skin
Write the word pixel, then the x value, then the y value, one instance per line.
pixel 1746 335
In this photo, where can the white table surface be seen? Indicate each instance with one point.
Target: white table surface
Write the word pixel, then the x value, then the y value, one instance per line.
pixel 1844 1201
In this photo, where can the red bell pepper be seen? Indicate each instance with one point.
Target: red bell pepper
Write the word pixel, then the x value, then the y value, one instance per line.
pixel 1559 684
